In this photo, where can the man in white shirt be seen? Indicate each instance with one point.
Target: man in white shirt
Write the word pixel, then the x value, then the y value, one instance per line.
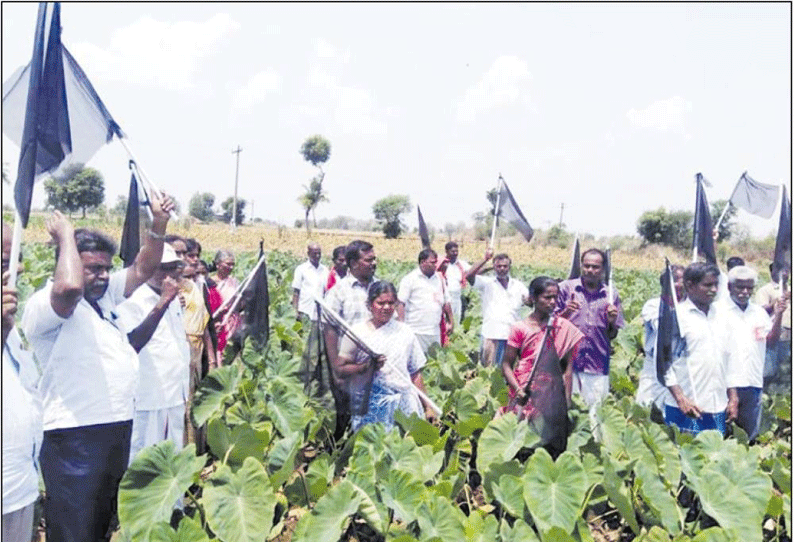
pixel 453 269
pixel 697 380
pixel 22 429
pixel 749 332
pixel 424 300
pixel 308 282
pixel 90 375
pixel 502 298
pixel 164 354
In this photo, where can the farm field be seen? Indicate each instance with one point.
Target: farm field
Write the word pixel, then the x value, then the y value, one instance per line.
pixel 275 473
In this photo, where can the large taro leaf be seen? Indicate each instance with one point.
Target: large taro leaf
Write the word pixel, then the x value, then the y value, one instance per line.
pixel 502 439
pixel 419 461
pixel 519 532
pixel 281 459
pixel 554 491
pixel 285 406
pixel 330 515
pixel 557 534
pixel 727 478
pixel 495 472
pixel 509 492
pixel 618 494
pixel 371 509
pixel 216 388
pixel 666 453
pixel 239 505
pixel 239 442
pixel 153 483
pixel 716 534
pixel 253 414
pixel 403 494
pixel 611 424
pixel 439 518
pixel 657 496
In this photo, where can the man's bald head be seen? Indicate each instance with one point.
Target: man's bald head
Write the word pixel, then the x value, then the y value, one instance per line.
pixel 314 252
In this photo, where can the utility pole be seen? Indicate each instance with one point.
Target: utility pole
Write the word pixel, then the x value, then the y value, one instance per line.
pixel 236 176
pixel 562 206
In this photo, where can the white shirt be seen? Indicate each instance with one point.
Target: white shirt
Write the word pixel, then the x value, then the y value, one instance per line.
pixel 650 389
pixel 22 430
pixel 454 274
pixel 165 359
pixel 701 371
pixel 500 306
pixel 746 334
pixel 424 300
pixel 90 371
pixel 310 281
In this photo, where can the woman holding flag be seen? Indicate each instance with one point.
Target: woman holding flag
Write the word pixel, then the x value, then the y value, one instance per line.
pixel 397 370
pixel 537 366
pixel 226 286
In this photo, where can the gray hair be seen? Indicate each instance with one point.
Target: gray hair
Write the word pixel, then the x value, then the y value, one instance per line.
pixel 742 272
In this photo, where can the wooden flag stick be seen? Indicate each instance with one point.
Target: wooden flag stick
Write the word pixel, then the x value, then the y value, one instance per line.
pixel 496 210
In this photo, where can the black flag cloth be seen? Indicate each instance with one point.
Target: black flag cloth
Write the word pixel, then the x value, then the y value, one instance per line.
pixel 46 137
pixel 423 234
pixel 669 343
pixel 51 110
pixel 509 210
pixel 256 300
pixel 702 239
pixel 783 243
pixel 756 198
pixel 131 232
pixel 576 263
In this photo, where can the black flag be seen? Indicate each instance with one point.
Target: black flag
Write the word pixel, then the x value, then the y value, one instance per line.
pixel 576 263
pixel 131 232
pixel 669 343
pixel 423 235
pixel 46 136
pixel 508 210
pixel 702 239
pixel 783 242
pixel 256 299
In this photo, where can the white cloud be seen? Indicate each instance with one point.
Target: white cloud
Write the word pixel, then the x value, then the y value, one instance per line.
pixel 155 53
pixel 502 84
pixel 663 115
pixel 256 89
pixel 353 109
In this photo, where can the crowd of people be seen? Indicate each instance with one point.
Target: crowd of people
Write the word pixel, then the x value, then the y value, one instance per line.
pixel 119 354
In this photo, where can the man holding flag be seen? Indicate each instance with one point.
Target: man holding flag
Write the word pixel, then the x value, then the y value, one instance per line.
pixel 90 376
pixel 586 303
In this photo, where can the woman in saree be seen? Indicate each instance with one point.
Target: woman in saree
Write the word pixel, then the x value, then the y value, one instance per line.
pixel 225 285
pixel 397 368
pixel 538 376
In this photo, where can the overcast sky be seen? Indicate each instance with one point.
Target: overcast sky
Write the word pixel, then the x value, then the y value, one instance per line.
pixel 610 109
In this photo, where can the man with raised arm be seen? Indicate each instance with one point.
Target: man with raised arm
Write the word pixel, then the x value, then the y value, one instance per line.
pixel 423 301
pixel 156 318
pixel 585 302
pixel 502 298
pixel 90 375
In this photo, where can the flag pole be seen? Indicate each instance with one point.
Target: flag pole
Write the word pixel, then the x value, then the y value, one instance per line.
pixel 142 174
pixel 496 210
pixel 16 248
pixel 694 225
pixel 727 205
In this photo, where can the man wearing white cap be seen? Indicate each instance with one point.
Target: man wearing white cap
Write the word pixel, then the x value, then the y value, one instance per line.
pixel 749 332
pixel 158 335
